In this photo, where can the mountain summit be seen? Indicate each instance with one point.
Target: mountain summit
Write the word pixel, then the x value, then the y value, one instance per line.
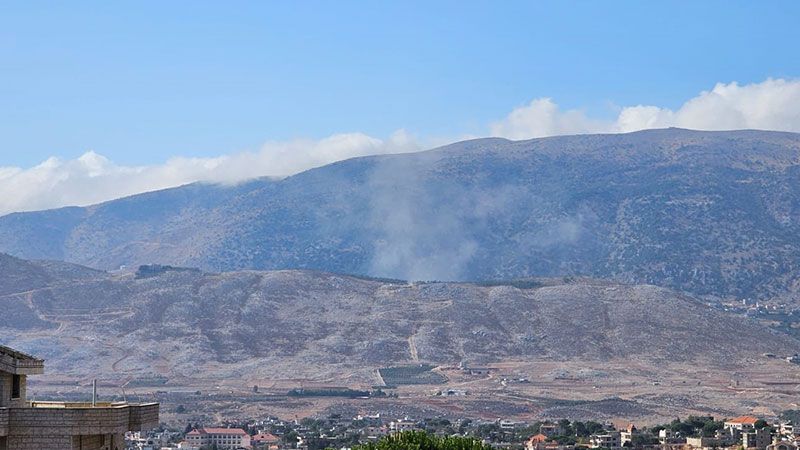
pixel 705 212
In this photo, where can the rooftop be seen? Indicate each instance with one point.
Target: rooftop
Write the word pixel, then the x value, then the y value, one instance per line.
pixel 743 419
pixel 234 431
pixel 19 363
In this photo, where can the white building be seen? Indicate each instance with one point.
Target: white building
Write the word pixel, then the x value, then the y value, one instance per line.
pixel 224 438
pixel 743 423
pixel 607 440
pixel 401 425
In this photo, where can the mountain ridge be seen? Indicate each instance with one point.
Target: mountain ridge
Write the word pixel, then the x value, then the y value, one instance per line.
pixel 712 213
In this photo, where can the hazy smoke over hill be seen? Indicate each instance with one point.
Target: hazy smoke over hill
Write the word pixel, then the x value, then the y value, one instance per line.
pixel 92 178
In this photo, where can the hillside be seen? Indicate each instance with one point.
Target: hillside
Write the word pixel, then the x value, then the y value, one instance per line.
pixel 705 212
pixel 588 348
pixel 295 322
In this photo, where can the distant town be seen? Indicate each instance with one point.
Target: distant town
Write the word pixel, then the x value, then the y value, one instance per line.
pixel 338 432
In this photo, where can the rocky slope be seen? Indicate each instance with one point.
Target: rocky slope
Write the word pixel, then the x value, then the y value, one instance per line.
pixel 705 212
pixel 312 325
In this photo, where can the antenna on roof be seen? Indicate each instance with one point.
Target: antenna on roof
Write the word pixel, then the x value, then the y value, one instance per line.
pixel 94 392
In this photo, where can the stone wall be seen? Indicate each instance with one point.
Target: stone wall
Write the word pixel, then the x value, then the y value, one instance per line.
pixel 74 428
pixel 82 442
pixel 3 422
pixel 44 442
pixel 143 417
pixel 67 421
pixel 6 382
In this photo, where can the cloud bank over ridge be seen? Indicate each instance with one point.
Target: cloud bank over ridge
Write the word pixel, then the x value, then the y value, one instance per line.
pixel 773 104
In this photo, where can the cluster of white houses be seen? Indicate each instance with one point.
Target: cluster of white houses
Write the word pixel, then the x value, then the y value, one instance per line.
pixel 736 433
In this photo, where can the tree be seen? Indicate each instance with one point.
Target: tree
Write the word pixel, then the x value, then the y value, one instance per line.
pixel 760 423
pixel 711 428
pixel 565 425
pixel 683 428
pixel 593 427
pixel 418 440
pixel 290 438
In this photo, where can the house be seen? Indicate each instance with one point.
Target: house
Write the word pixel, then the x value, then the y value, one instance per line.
pixel 607 440
pixel 507 425
pixel 758 439
pixel 265 441
pixel 667 437
pixel 702 443
pixel 223 438
pixel 40 425
pixel 741 423
pixel 782 445
pixel 536 442
pixel 626 436
pixel 786 429
pixel 401 425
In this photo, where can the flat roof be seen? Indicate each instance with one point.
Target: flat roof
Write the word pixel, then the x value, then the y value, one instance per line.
pixel 16 354
pixel 19 363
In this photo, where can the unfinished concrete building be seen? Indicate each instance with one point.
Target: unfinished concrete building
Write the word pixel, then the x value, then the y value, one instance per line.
pixel 35 425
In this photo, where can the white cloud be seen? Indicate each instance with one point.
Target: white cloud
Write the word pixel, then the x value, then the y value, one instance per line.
pixel 541 118
pixel 770 105
pixel 93 178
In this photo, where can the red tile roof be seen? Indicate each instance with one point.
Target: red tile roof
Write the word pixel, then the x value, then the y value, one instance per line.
pixel 538 439
pixel 743 419
pixel 265 437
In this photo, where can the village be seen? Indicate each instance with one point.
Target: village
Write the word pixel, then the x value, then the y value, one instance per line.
pixel 337 432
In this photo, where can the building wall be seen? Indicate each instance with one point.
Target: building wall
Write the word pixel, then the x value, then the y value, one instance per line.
pixel 39 442
pixel 85 442
pixel 6 381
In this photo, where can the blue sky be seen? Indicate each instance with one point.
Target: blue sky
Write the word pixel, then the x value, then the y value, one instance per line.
pixel 140 82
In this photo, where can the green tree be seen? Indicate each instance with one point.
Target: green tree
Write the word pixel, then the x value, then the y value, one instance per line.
pixel 593 427
pixel 418 440
pixel 710 428
pixel 290 438
pixel 565 425
pixel 683 428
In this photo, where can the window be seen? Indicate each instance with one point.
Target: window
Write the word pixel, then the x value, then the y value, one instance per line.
pixel 16 381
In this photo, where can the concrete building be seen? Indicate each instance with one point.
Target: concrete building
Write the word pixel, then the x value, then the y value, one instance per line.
pixel 702 443
pixel 223 438
pixel 627 435
pixel 607 440
pixel 401 425
pixel 507 425
pixel 26 425
pixel 758 439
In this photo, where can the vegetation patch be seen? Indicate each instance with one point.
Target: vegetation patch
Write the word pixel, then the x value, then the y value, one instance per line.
pixel 414 374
